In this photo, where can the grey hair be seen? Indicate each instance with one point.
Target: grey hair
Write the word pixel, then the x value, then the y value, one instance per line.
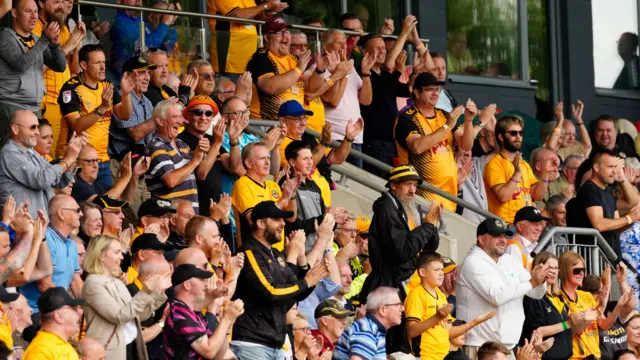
pixel 554 201
pixel 195 64
pixel 572 157
pixel 379 297
pixel 158 51
pixel 328 37
pixel 219 80
pixel 536 154
pixel 160 110
pixel 295 32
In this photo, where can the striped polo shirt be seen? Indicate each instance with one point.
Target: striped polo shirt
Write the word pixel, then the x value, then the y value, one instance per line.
pixel 167 157
pixel 364 338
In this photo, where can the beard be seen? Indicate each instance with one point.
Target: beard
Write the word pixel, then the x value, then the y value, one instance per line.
pixel 411 209
pixel 272 235
pixel 511 147
pixel 59 16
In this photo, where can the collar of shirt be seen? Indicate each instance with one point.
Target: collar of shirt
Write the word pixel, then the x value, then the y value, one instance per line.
pixel 373 319
pixel 58 234
pixel 529 245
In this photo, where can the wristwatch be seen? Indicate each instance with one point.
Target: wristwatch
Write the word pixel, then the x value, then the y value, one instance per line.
pixel 161 324
pixel 97 111
pixel 446 127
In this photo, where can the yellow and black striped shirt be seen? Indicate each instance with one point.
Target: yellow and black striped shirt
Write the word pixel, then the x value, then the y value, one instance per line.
pixel 53 81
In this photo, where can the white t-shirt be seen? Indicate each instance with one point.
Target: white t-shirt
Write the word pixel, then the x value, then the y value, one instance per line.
pixel 348 109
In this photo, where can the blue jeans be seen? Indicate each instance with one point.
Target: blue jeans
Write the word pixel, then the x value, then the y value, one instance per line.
pixel 355 161
pixel 258 352
pixel 104 175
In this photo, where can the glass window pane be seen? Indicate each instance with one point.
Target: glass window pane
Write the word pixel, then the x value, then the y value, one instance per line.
pixel 328 12
pixel 615 44
pixel 373 12
pixel 538 46
pixel 483 38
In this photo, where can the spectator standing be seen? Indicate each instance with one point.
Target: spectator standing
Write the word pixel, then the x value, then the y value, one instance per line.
pixel 90 222
pixel 564 184
pixel 202 72
pixel 22 62
pixel 233 44
pixel 86 102
pixel 161 38
pixel 595 205
pixel 26 175
pixel 489 280
pixel 270 285
pixel 178 223
pixel 557 212
pixel 172 163
pixel 563 139
pixel 544 161
pixel 606 137
pixel 158 89
pixel 425 135
pixel 60 317
pixel 331 318
pixel 111 314
pixel 509 180
pixel 446 101
pixel 529 224
pixel 366 337
pixel 45 139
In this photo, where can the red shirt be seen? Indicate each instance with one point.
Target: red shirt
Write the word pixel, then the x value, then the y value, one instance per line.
pixel 327 345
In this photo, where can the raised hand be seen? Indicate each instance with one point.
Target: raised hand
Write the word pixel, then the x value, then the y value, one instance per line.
pixel 333 59
pixel 539 274
pixel 107 97
pixel 325 229
pixel 271 137
pixel 434 214
pixel 142 166
pixel 295 244
pixel 559 114
pixel 232 310
pixel 9 210
pixel 125 166
pixel 233 267
pixel 527 352
pixel 243 86
pixel 367 62
pixel 190 80
pixel 156 284
pixel 464 171
pixel 276 6
pixel 401 61
pixel 22 221
pixel 444 311
pixel 452 120
pixel 408 24
pixel 470 110
pixel 488 113
pixel 236 128
pixel 484 317
pixel 517 166
pixel 318 272
pixel 326 132
pixel 347 252
pixel 290 186
pixel 221 210
pixel 282 173
pixel 52 32
pixel 126 236
pixel 353 129
pixel 387 27
pixel 576 111
pixel 303 60
pixel 128 83
pixel 621 273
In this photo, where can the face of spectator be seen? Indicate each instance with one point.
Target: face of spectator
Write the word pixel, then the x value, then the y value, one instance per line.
pixel 21 313
pixel 440 70
pixel 259 162
pixel 163 221
pixel 5 244
pixel 25 130
pixel 570 170
pixel 339 43
pixel 227 89
pixel 458 45
pixel 70 317
pixel 333 326
pixel 569 136
pixel 112 257
pixel 67 189
pixel 54 10
pixel 633 331
pixel 278 42
pixel 559 215
pixel 200 117
pixel 303 164
pixel 197 289
pixel 512 138
pixel 206 82
pixel 354 25
pixel 44 141
pixel 82 251
pixel 300 330
pixel 493 245
pixel 405 190
pixel 346 232
pixel 88 160
pixel 529 229
pixel 236 110
pixel 211 236
pixel 298 45
pixel 150 254
pixel 296 125
pixel 92 222
pixel 363 243
pixel 555 270
pixel 71 213
pixel 449 282
pixel 25 16
pixel 626 47
pixel 432 273
pixel 548 160
pixel 68 7
pixel 605 169
pixel 182 216
pixel 489 136
pixel 142 81
pixel 378 45
pixel 273 230
pixel 159 76
pixel 393 311
pixel 575 275
pixel 427 95
pixel 605 134
pixel 170 125
pixel 345 279
pixel 463 157
pixel 112 218
pixel 95 66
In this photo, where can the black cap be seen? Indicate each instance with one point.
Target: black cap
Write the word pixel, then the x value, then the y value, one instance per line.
pixel 55 298
pixel 155 207
pixel 529 213
pixel 7 297
pixel 105 202
pixel 494 227
pixel 331 307
pixel 426 79
pixel 185 272
pixel 171 255
pixel 137 63
pixel 269 209
pixel 149 242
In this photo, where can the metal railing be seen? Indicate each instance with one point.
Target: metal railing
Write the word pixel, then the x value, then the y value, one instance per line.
pixel 202 17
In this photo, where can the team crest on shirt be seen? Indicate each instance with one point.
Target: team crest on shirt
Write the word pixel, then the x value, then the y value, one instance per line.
pixel 66 96
pixel 498 223
pixel 281 262
pixel 274 194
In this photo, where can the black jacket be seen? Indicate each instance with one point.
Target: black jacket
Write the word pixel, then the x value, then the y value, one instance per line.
pixel 393 248
pixel 543 313
pixel 154 93
pixel 269 287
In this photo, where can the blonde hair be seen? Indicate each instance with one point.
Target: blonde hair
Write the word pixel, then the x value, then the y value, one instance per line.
pixel 566 261
pixel 542 258
pixel 97 246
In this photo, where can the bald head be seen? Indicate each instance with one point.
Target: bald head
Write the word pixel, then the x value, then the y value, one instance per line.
pixel 90 349
pixel 64 213
pixel 60 202
pixel 191 256
pixel 154 267
pixel 23 128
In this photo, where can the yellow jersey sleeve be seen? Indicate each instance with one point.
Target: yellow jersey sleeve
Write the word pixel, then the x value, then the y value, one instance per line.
pixel 283 146
pixel 494 174
pixel 226 6
pixel 414 305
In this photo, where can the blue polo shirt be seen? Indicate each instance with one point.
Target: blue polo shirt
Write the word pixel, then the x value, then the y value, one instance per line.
pixel 64 256
pixel 365 338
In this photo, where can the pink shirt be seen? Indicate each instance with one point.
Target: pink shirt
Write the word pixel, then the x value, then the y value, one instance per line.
pixel 348 109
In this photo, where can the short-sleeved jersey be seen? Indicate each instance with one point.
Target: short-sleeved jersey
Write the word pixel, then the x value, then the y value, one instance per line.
pixel 77 98
pixel 436 166
pixel 263 63
pixel 232 44
pixel 246 194
pixel 588 341
pixel 164 158
pixel 317 120
pixel 49 346
pixel 53 81
pixel 6 334
pixel 419 306
pixel 184 326
pixel 499 172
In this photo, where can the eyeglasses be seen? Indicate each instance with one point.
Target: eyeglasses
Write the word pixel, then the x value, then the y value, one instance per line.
pixel 91 161
pixel 32 127
pixel 208 76
pixel 514 133
pixel 394 304
pixel 303 329
pixel 76 210
pixel 578 271
pixel 280 33
pixel 238 113
pixel 200 112
pixel 302 46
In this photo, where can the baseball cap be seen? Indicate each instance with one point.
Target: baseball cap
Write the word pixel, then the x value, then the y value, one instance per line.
pixel 529 213
pixel 331 307
pixel 449 264
pixel 426 79
pixel 56 298
pixel 275 24
pixel 7 297
pixel 494 227
pixel 293 108
pixel 155 207
pixel 402 173
pixel 137 63
pixel 185 272
pixel 362 224
pixel 269 209
pixel 105 202
pixel 149 242
pixel 171 255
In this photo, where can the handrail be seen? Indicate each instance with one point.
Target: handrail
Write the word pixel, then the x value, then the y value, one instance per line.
pixel 602 243
pixel 386 168
pixel 213 17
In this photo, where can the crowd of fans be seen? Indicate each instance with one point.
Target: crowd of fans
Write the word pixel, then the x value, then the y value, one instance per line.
pixel 143 219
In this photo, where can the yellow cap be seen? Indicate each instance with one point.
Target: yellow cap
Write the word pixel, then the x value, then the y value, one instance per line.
pixel 362 224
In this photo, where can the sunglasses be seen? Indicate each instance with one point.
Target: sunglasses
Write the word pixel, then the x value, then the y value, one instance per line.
pixel 208 76
pixel 199 112
pixel 32 127
pixel 578 271
pixel 514 133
